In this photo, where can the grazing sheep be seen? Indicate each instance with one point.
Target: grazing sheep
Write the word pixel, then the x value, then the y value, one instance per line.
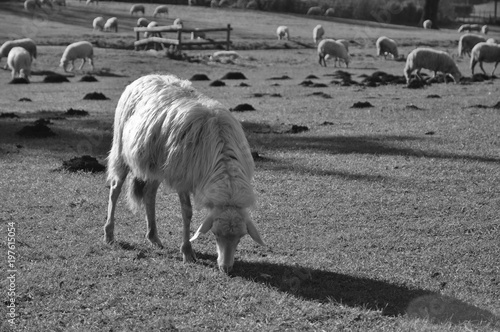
pixel 475 27
pixel 283 32
pixel 315 11
pixel 467 42
pixel 330 12
pixel 31 5
pixel 428 58
pixel 427 24
pixel 178 22
pixel 485 52
pixel 152 24
pixel 160 10
pixel 318 33
pixel 386 46
pixel 91 1
pixel 78 50
pixel 464 27
pixel 27 43
pixel 491 41
pixel 142 22
pixel 334 49
pixel 198 35
pixel 218 55
pixel 252 5
pixel 111 23
pixel 98 23
pixel 136 9
pixel 19 61
pixel 485 29
pixel 166 131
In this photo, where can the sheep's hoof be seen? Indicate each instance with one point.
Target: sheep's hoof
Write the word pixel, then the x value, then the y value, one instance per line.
pixel 155 241
pixel 188 253
pixel 109 239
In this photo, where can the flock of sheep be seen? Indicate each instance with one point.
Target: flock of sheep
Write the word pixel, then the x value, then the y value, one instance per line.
pixel 479 49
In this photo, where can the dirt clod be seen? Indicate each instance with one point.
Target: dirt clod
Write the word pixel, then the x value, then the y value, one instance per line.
pixel 84 163
pixel 38 130
pixel 243 108
pixel 95 96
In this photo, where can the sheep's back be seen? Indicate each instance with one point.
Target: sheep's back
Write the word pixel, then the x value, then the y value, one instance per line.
pixel 486 52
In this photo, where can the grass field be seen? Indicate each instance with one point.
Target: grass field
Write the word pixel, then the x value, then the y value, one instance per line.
pixel 382 218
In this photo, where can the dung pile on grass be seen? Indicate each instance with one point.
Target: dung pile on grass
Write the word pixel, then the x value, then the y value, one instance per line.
pixel 361 104
pixel 199 77
pixel 84 163
pixel 19 80
pixel 88 78
pixel 55 78
pixel 343 78
pixel 415 84
pixel 242 108
pixel 95 96
pixel 24 99
pixel 297 129
pixel 234 76
pixel 38 130
pixel 217 83
pixel 76 112
pixel 284 77
pixel 382 78
pixel 8 115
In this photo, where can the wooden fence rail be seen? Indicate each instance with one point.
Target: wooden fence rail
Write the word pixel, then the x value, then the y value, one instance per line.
pixel 157 38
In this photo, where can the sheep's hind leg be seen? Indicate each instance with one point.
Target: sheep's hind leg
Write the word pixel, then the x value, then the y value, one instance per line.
pixel 81 66
pixel 187 213
pixel 114 192
pixel 149 200
pixel 481 65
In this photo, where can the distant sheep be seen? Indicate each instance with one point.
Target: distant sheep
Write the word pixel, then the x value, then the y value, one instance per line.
pixel 427 24
pixel 152 24
pixel 19 61
pixel 198 35
pixel 315 11
pixel 31 5
pixel 166 131
pixel 136 9
pixel 98 23
pixel 91 1
pixel 111 23
pixel 387 46
pixel 282 32
pixel 160 10
pixel 142 22
pixel 78 50
pixel 332 48
pixel 434 60
pixel 218 55
pixel 491 41
pixel 27 43
pixel 475 27
pixel 485 52
pixel 178 22
pixel 330 12
pixel 467 42
pixel 485 29
pixel 464 27
pixel 60 2
pixel 318 33
pixel 214 4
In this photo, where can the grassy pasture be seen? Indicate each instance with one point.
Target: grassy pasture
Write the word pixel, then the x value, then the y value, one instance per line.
pixel 374 219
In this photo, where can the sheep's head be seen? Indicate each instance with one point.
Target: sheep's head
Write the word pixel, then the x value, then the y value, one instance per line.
pixel 64 64
pixel 229 225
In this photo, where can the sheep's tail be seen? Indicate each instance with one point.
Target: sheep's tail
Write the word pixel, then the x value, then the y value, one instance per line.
pixel 135 193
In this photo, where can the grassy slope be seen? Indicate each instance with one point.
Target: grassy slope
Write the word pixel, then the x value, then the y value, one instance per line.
pixel 377 209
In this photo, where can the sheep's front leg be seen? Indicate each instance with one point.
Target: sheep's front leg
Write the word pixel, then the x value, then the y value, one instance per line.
pixel 109 227
pixel 81 66
pixel 150 190
pixel 187 214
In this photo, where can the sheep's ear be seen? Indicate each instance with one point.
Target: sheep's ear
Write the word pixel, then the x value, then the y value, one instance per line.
pixel 254 234
pixel 204 227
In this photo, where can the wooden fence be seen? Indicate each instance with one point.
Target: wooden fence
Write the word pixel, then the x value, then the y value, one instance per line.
pixel 156 37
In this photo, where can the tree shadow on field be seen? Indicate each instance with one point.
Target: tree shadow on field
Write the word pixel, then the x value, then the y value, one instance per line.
pixel 369 144
pixel 359 292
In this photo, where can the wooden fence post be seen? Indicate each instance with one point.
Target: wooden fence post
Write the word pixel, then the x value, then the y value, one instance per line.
pixel 228 40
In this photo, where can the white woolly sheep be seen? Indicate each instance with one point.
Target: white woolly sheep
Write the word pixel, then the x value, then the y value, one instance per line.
pixel 485 52
pixel 318 33
pixel 142 22
pixel 19 61
pixel 386 46
pixel 78 50
pixel 178 22
pixel 27 43
pixel 96 2
pixel 315 11
pixel 332 48
pixel 282 32
pixel 218 55
pixel 214 4
pixel 98 23
pixel 485 29
pixel 467 42
pixel 464 27
pixel 330 12
pixel 163 9
pixel 166 131
pixel 31 5
pixel 252 5
pixel 136 9
pixel 152 24
pixel 427 24
pixel 111 23
pixel 428 58
pixel 475 27
pixel 491 41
